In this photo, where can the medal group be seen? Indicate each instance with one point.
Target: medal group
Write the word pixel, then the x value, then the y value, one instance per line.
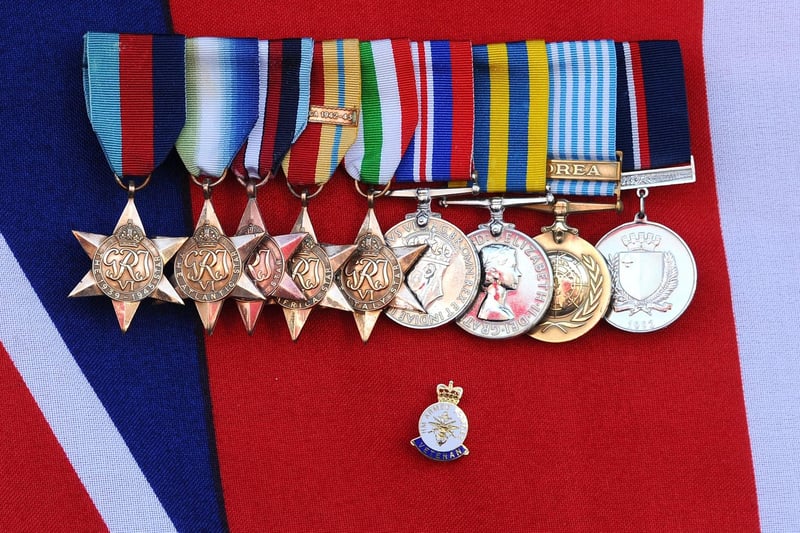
pixel 562 128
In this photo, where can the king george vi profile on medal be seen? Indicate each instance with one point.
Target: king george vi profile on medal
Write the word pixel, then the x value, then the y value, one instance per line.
pixel 500 274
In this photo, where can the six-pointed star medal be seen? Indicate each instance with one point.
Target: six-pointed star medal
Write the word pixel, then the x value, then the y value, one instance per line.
pixel 209 268
pixel 374 275
pixel 313 267
pixel 127 266
pixel 267 264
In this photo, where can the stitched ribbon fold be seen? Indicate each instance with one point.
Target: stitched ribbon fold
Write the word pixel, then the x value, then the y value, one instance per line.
pixel 388 111
pixel 221 102
pixel 283 99
pixel 335 92
pixel 441 148
pixel 652 114
pixel 583 109
pixel 511 109
pixel 134 92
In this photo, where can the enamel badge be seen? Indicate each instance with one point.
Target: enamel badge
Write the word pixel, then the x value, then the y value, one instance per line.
pixel 443 426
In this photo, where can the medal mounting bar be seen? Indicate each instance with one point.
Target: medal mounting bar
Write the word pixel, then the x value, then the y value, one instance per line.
pixel 424 195
pixel 657 177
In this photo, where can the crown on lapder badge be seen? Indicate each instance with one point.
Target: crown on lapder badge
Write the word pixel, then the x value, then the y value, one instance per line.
pixel 641 241
pixel 207 236
pixel 129 235
pixel 443 426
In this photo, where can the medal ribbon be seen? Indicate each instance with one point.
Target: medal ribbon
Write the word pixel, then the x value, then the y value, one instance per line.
pixel 134 91
pixel 652 114
pixel 283 96
pixel 583 109
pixel 221 102
pixel 388 111
pixel 441 148
pixel 511 99
pixel 335 83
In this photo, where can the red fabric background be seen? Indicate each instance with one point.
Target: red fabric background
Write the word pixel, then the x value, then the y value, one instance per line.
pixel 614 431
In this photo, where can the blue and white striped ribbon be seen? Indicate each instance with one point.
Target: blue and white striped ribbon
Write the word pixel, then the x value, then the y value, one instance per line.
pixel 221 102
pixel 583 109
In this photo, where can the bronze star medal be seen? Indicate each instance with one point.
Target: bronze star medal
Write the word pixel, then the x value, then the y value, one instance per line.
pixel 127 266
pixel 209 267
pixel 312 268
pixel 373 276
pixel 267 264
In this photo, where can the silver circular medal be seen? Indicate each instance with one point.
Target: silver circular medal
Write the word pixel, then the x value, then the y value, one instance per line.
pixel 653 272
pixel 516 284
pixel 444 280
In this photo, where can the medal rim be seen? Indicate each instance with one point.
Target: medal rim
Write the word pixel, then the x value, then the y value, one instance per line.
pixel 639 223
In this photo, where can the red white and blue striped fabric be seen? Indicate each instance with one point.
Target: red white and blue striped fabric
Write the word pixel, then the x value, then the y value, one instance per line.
pixel 441 149
pixel 694 428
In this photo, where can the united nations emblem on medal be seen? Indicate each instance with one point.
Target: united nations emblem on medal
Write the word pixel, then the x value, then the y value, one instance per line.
pixel 443 426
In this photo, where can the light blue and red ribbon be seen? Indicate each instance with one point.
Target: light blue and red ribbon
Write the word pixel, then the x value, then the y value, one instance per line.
pixel 583 109
pixel 652 114
pixel 441 149
pixel 283 100
pixel 134 91
pixel 221 102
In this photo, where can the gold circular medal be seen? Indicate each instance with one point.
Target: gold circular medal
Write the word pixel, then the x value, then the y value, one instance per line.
pixel 581 288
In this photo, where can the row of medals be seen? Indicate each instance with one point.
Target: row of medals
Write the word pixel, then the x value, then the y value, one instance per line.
pixel 496 282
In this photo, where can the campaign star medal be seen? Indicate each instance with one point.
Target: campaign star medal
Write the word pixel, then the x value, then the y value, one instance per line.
pixel 210 267
pixel 137 116
pixel 443 426
pixel 653 271
pixel 373 276
pixel 266 265
pixel 284 77
pixel 335 82
pixel 312 269
pixel 127 266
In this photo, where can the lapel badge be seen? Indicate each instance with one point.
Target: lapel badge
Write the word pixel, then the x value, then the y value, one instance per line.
pixel 443 426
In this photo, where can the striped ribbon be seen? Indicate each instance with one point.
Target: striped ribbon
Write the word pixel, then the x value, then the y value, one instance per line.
pixel 652 115
pixel 583 109
pixel 221 102
pixel 388 111
pixel 134 91
pixel 335 82
pixel 283 96
pixel 511 99
pixel 441 148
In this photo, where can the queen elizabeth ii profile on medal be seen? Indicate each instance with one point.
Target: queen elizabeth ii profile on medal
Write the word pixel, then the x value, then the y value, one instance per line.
pixel 500 274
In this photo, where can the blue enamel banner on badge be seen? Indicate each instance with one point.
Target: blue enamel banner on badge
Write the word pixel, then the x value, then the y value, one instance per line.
pixel 430 453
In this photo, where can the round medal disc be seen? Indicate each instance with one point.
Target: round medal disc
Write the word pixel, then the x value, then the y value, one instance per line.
pixel 444 280
pixel 443 426
pixel 516 285
pixel 311 271
pixel 581 288
pixel 266 265
pixel 127 266
pixel 371 276
pixel 208 266
pixel 654 276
